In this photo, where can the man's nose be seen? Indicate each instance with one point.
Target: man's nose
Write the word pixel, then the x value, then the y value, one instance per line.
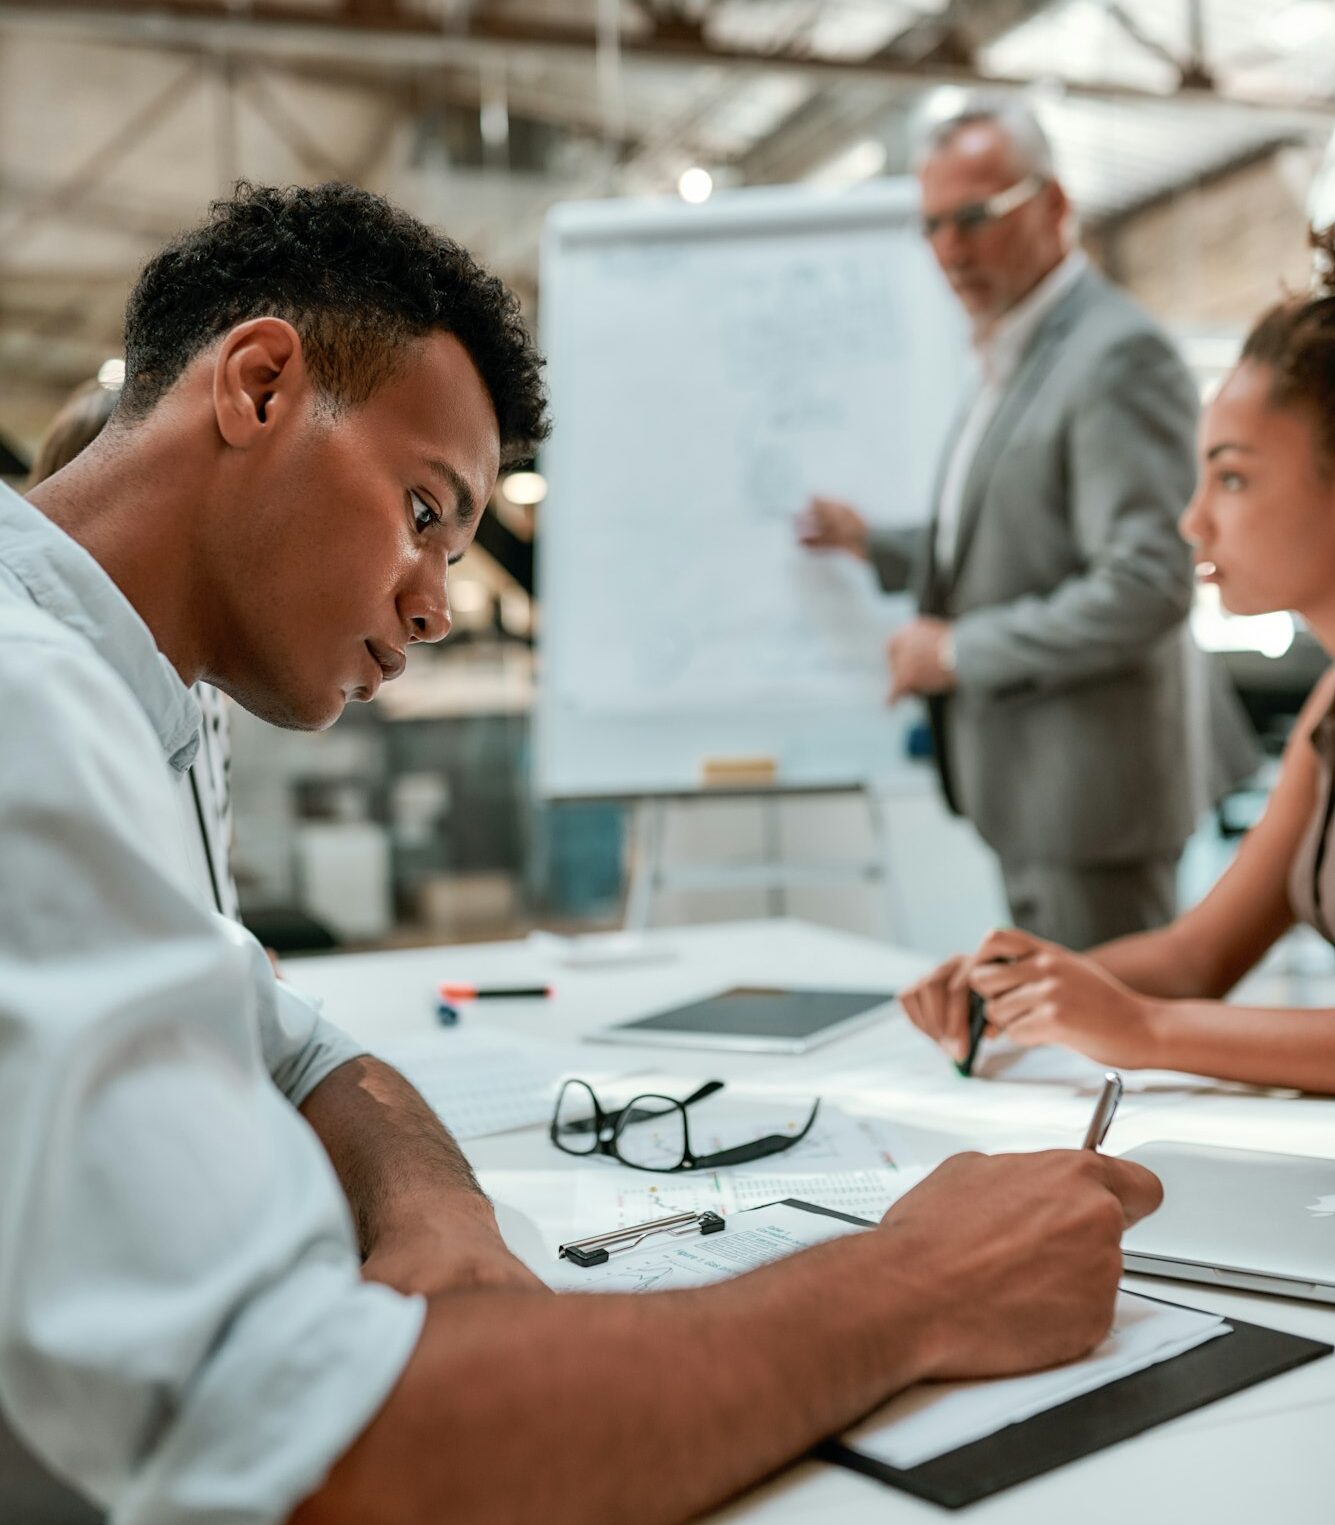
pixel 426 613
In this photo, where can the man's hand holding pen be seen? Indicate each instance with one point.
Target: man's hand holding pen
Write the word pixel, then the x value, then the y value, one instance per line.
pixel 1023 1250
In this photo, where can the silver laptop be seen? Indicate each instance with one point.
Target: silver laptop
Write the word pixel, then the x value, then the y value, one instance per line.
pixel 1238 1218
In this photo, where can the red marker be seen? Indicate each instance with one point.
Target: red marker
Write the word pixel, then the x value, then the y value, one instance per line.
pixel 492 992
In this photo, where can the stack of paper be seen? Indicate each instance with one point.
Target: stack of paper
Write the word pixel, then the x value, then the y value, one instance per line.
pixel 933 1418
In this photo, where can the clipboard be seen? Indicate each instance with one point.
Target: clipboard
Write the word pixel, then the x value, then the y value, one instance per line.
pixel 1091 1422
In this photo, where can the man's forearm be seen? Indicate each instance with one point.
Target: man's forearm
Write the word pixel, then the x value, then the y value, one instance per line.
pixel 394 1157
pixel 650 1408
pixel 628 1408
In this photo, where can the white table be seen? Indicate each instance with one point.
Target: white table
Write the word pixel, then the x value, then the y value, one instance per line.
pixel 1261 1455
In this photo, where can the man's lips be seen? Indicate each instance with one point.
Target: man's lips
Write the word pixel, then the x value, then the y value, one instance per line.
pixel 389 659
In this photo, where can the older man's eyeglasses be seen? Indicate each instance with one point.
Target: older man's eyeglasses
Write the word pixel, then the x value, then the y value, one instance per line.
pixel 652 1132
pixel 980 214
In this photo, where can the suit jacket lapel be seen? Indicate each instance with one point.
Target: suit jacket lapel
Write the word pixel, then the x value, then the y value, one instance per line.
pixel 1029 374
pixel 928 575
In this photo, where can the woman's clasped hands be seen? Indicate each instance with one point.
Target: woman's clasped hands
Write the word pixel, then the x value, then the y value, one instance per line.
pixel 1036 992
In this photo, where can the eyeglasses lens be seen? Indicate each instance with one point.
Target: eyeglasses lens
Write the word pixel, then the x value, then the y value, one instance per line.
pixel 652 1133
pixel 966 220
pixel 576 1125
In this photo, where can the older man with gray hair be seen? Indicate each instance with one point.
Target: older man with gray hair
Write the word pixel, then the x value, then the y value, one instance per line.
pixel 1052 583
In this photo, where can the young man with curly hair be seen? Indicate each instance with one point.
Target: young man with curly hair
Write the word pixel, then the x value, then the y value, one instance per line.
pixel 245 1274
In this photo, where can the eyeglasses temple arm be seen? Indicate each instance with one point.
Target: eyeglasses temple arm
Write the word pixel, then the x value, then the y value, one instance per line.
pixel 772 1144
pixel 700 1092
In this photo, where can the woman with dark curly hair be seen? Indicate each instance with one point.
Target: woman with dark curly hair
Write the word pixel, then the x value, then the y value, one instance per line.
pixel 1262 525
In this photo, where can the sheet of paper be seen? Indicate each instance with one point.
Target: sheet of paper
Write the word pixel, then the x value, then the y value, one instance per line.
pixel 1053 1065
pixel 767 1235
pixel 736 1116
pixel 933 1418
pixel 483 1081
pixel 836 1141
pixel 1039 1097
pixel 615 1199
pixel 545 1197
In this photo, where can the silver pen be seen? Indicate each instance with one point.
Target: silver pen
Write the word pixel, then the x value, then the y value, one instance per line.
pixel 1104 1108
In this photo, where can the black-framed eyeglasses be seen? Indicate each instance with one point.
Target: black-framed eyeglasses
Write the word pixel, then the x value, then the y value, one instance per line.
pixel 978 214
pixel 652 1132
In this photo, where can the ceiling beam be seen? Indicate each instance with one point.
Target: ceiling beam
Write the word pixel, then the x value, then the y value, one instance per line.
pixel 1114 223
pixel 96 209
pixel 1117 12
pixel 275 28
pixel 832 116
pixel 84 180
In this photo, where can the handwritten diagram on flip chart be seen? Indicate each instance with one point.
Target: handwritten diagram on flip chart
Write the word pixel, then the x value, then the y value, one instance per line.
pixel 711 369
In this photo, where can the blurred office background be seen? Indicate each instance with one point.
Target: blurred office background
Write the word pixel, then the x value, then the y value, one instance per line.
pixel 1192 134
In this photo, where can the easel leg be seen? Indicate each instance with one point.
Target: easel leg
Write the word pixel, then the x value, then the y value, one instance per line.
pixel 776 895
pixel 646 863
pixel 894 923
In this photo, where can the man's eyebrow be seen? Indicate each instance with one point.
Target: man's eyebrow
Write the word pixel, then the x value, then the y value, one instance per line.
pixel 1216 450
pixel 464 503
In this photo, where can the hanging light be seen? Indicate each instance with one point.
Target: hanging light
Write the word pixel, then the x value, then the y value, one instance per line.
pixel 695 185
pixel 525 487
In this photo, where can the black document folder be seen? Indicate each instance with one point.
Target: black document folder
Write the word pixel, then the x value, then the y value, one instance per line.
pixel 1092 1421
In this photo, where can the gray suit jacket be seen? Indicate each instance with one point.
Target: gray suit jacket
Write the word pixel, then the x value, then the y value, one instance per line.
pixel 1074 735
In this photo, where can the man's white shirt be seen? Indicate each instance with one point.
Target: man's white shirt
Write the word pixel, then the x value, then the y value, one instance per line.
pixel 998 356
pixel 205 798
pixel 184 1334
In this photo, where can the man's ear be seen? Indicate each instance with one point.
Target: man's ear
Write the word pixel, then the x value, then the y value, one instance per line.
pixel 259 376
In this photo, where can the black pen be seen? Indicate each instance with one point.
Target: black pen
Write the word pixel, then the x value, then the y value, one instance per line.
pixel 977 1023
pixel 451 992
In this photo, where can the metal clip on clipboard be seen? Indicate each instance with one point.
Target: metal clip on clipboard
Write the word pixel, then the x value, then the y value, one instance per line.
pixel 597 1249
